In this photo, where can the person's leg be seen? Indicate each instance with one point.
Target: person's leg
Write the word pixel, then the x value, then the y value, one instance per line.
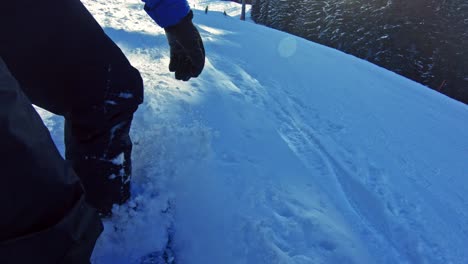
pixel 66 64
pixel 44 215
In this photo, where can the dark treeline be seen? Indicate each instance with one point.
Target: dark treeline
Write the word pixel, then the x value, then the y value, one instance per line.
pixel 424 40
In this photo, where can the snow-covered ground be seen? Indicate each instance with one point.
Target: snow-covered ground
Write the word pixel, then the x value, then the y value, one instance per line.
pixel 232 9
pixel 283 151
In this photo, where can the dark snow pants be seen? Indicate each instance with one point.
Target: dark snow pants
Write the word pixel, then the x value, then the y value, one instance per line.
pixel 65 63
pixel 43 214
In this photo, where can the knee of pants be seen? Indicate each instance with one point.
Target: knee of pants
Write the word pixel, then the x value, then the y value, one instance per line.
pixel 114 101
pixel 124 91
pixel 70 68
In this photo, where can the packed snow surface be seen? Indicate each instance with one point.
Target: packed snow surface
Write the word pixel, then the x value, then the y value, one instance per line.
pixel 282 151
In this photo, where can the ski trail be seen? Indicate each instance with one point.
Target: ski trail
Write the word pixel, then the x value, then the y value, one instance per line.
pixel 346 174
pixel 315 232
pixel 374 206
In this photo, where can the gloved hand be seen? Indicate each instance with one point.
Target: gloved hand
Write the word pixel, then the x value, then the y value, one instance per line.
pixel 187 51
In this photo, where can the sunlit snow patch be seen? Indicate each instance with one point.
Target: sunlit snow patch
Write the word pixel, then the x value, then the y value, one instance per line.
pixel 287 47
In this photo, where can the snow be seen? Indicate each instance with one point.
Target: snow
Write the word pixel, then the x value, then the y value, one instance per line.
pixel 282 151
pixel 231 8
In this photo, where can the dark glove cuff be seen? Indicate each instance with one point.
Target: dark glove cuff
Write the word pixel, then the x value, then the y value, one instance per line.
pixel 187 20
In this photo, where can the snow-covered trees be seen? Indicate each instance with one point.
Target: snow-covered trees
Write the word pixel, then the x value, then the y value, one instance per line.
pixel 424 40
